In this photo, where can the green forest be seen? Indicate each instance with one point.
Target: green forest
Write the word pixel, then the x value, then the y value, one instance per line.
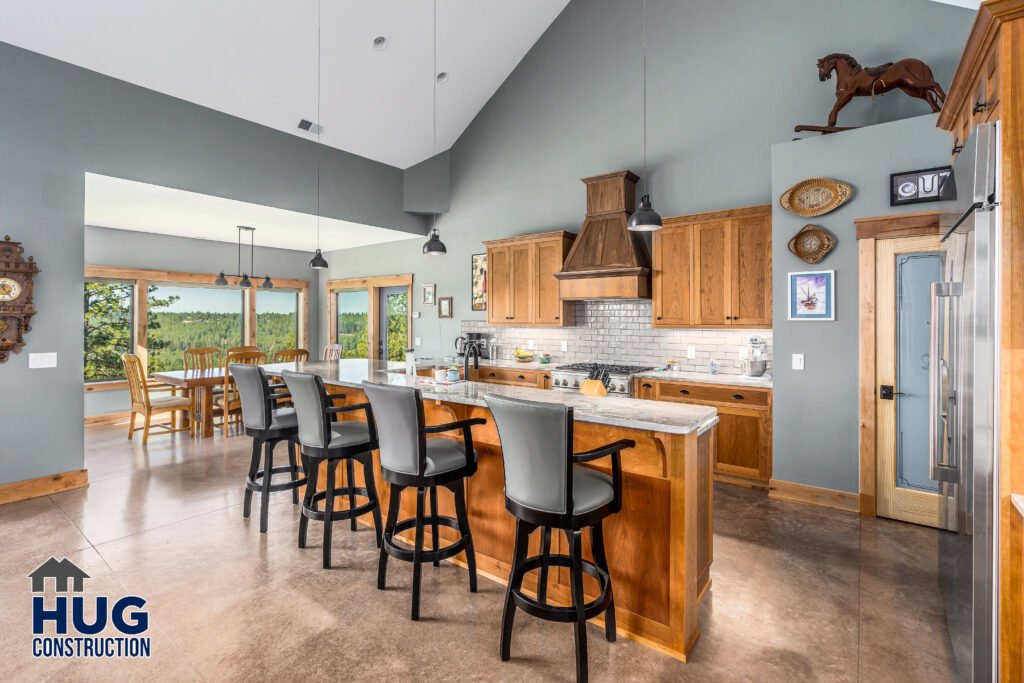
pixel 352 330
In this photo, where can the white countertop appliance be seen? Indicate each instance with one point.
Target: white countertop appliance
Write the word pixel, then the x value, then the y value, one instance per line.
pixel 617 377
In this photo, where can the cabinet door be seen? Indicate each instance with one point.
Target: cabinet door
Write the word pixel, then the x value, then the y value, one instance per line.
pixel 741 445
pixel 751 267
pixel 520 259
pixel 498 290
pixel 548 260
pixel 672 300
pixel 711 274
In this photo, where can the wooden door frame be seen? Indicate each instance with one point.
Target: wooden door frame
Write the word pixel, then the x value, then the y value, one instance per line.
pixel 868 230
pixel 372 285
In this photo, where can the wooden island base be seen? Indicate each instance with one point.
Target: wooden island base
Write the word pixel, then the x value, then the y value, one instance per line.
pixel 658 546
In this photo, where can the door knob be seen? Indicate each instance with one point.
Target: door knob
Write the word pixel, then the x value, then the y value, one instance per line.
pixel 885 392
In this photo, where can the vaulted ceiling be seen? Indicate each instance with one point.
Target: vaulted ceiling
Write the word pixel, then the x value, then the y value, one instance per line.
pixel 257 59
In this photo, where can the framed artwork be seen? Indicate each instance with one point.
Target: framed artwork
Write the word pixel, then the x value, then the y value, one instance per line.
pixel 428 295
pixel 444 307
pixel 478 282
pixel 927 185
pixel 812 295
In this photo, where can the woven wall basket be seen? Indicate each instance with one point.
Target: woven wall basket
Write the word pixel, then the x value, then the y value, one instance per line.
pixel 811 243
pixel 815 196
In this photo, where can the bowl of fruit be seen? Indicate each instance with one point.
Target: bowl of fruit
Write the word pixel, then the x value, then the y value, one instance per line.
pixel 523 356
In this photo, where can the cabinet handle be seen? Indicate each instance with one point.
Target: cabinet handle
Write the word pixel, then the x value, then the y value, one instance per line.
pixel 521 377
pixel 957 149
pixel 738 397
pixel 979 107
pixel 683 391
pixel 556 317
pixel 658 318
pixel 647 386
pixel 491 375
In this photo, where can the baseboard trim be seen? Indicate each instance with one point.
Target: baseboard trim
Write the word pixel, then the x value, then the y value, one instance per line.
pixel 43 486
pixel 814 495
pixel 108 418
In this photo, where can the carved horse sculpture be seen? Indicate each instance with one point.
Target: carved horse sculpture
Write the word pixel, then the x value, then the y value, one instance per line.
pixel 912 76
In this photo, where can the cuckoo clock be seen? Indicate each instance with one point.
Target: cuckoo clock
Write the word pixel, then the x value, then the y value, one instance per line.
pixel 16 307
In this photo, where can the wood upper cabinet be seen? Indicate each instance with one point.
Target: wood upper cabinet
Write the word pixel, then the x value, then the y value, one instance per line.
pixel 521 286
pixel 714 270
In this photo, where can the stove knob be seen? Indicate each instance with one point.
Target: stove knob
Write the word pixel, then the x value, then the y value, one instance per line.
pixel 621 387
pixel 575 383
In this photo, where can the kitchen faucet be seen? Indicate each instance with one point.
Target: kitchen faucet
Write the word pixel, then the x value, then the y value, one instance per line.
pixel 471 348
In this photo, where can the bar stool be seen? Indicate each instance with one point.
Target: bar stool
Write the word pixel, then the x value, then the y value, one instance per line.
pixel 322 439
pixel 409 459
pixel 544 487
pixel 268 426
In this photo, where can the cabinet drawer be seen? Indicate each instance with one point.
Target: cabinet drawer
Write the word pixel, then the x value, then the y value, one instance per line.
pixel 685 391
pixel 507 376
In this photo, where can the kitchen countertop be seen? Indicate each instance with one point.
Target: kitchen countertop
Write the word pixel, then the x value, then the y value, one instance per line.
pixel 682 376
pixel 657 416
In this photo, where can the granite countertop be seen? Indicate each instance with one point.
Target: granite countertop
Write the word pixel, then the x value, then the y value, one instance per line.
pixel 657 416
pixel 681 376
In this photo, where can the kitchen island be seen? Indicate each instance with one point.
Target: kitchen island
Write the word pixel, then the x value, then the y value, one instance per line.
pixel 659 545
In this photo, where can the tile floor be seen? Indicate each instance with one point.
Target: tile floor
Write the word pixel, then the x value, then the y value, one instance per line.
pixel 799 593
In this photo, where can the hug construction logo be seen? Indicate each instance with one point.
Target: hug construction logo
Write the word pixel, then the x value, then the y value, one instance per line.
pixel 78 635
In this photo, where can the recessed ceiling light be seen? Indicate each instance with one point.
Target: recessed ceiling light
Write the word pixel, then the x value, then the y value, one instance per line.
pixel 442 77
pixel 380 42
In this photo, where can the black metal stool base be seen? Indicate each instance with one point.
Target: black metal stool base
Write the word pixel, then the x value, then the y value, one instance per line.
pixel 259 480
pixel 417 555
pixel 542 609
pixel 328 515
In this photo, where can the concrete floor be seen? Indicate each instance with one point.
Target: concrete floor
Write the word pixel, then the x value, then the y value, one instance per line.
pixel 799 593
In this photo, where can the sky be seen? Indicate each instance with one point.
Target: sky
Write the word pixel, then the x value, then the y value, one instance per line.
pixel 223 300
pixel 353 302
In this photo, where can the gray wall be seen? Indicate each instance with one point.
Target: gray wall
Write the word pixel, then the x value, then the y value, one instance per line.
pixel 58 121
pixel 816 409
pixel 426 185
pixel 106 247
pixel 727 79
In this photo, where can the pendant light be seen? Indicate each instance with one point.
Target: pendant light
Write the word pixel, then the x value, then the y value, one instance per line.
pixel 222 280
pixel 645 219
pixel 318 262
pixel 434 246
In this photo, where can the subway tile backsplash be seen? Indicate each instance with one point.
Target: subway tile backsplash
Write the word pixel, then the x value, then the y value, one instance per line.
pixel 617 331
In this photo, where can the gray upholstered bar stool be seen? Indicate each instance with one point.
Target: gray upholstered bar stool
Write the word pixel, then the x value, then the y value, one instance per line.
pixel 410 460
pixel 323 439
pixel 546 488
pixel 268 425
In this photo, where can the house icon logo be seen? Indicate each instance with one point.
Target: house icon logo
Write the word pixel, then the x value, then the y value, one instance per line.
pixel 62 572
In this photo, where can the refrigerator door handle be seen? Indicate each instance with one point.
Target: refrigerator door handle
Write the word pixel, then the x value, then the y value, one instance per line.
pixel 941 395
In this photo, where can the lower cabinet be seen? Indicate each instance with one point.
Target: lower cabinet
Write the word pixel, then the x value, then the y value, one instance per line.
pixel 743 452
pixel 540 379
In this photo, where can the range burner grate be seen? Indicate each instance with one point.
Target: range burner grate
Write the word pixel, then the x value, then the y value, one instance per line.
pixel 611 369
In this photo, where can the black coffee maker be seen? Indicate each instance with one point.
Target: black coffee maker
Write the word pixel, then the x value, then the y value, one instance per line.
pixel 479 339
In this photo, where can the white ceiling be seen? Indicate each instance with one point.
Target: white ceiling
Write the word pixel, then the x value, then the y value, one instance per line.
pixel 131 205
pixel 969 4
pixel 257 59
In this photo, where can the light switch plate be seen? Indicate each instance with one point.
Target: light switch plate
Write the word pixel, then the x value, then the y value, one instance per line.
pixel 565 346
pixel 42 360
pixel 529 344
pixel 691 351
pixel 798 361
pixel 417 341
pixel 744 352
pixel 415 314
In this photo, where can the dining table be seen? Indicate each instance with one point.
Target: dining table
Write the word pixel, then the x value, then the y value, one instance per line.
pixel 200 383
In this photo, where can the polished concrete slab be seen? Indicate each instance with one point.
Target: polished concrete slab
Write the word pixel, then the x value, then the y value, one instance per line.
pixel 799 593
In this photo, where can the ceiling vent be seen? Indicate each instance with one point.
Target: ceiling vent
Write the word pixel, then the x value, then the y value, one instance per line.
pixel 310 127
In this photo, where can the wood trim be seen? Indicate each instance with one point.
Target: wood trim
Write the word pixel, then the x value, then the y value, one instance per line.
pixel 813 495
pixel 140 322
pixel 898 225
pixel 372 285
pixel 367 282
pixel 868 444
pixel 43 486
pixel 725 214
pixel 112 385
pixel 519 239
pixel 107 418
pixel 177 276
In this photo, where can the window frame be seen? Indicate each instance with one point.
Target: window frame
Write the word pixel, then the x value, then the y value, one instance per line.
pixel 131 321
pixel 372 285
pixel 298 314
pixel 141 278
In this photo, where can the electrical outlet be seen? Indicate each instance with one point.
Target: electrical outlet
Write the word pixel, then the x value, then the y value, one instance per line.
pixel 415 314
pixel 417 341
pixel 798 361
pixel 529 344
pixel 691 352
pixel 744 353
pixel 42 360
pixel 565 346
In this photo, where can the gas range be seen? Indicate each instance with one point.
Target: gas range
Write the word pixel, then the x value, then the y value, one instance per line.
pixel 570 377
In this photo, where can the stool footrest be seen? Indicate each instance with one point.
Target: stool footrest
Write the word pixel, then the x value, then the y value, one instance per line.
pixel 404 553
pixel 313 512
pixel 256 482
pixel 555 612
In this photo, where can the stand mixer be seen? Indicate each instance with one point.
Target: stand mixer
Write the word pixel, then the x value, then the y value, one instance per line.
pixel 756 362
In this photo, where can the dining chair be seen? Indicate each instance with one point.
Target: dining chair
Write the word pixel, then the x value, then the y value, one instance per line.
pixel 143 405
pixel 201 358
pixel 334 352
pixel 290 355
pixel 240 349
pixel 229 402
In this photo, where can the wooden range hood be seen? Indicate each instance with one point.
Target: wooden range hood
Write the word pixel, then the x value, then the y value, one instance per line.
pixel 607 261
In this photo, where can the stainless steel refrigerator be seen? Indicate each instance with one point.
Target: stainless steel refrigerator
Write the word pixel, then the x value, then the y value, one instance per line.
pixel 963 427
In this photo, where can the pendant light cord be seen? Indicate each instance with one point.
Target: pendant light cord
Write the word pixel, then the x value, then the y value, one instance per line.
pixel 434 141
pixel 252 252
pixel 645 96
pixel 319 123
pixel 239 271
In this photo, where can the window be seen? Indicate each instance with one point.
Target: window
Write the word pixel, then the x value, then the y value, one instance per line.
pixel 108 328
pixel 183 317
pixel 277 319
pixel 353 322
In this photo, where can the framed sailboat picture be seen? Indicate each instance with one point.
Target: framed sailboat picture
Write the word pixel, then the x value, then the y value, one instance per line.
pixel 812 295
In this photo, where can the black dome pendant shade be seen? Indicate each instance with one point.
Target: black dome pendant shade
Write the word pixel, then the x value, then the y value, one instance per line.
pixel 245 281
pixel 645 218
pixel 267 283
pixel 318 262
pixel 221 281
pixel 434 246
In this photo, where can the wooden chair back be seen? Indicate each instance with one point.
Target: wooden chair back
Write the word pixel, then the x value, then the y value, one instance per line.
pixel 240 349
pixel 243 358
pixel 290 355
pixel 202 358
pixel 136 380
pixel 334 352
